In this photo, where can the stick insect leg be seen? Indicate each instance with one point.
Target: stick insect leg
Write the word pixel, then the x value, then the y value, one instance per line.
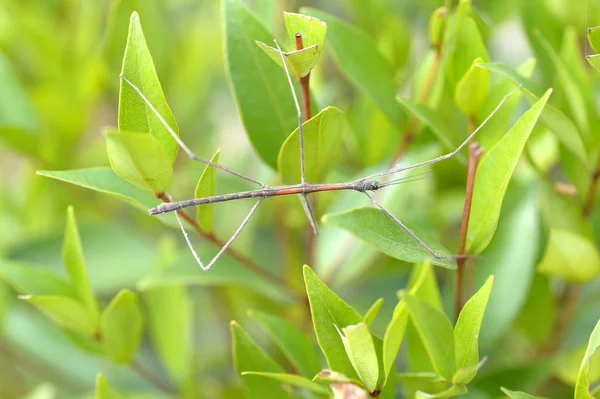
pixel 450 154
pixel 180 142
pixel 227 244
pixel 309 214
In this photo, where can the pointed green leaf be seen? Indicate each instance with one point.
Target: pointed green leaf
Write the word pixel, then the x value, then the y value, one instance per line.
pixel 299 62
pixel 358 58
pixel 371 314
pixel 582 388
pixel 72 256
pixel 34 280
pixel 205 188
pixel 293 343
pixel 378 229
pixel 104 390
pixel 312 29
pixel 295 380
pixel 134 114
pixel 594 38
pixel 139 159
pixel 516 394
pixel 435 331
pixel 247 356
pixel 328 313
pixel 121 327
pixel 570 257
pixel 472 89
pixel 453 391
pixel 360 349
pixel 466 331
pixel 65 312
pixel 322 137
pixel 493 175
pixel 104 180
pixel 594 61
pixel 259 86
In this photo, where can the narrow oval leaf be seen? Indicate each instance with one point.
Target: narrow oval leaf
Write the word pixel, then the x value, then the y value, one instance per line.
pixel 582 388
pixel 295 380
pixel 466 332
pixel 299 62
pixel 594 61
pixel 472 89
pixel 74 263
pixel 104 180
pixel 139 159
pixel 322 137
pixel 312 29
pixel 360 349
pixel 373 311
pixel 259 86
pixel 205 188
pixel 247 356
pixel 453 391
pixel 435 332
pixel 375 227
pixel 594 38
pixel 328 313
pixel 170 327
pixel 121 327
pixel 65 312
pixel 358 58
pixel 516 394
pixel 293 343
pixel 134 114
pixel 493 175
pixel 570 257
pixel 104 390
pixel 34 280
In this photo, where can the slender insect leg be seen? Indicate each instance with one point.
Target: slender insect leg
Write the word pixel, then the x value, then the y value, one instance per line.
pixel 227 244
pixel 308 212
pixel 180 142
pixel 450 154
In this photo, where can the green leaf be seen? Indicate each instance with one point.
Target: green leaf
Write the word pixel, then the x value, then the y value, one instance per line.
pixel 104 390
pixel 205 188
pixel 295 380
pixel 570 257
pixel 375 227
pixel 594 38
pixel 454 390
pixel 16 111
pixel 259 86
pixel 65 312
pixel 594 61
pixel 373 311
pixel 74 263
pixel 493 175
pixel 134 114
pixel 104 180
pixel 472 89
pixel 170 327
pixel 139 159
pixel 34 280
pixel 121 327
pixel 516 395
pixel 564 129
pixel 313 30
pixel 299 62
pixel 247 356
pixel 322 136
pixel 328 313
pixel 291 341
pixel 360 349
pixel 435 331
pixel 358 58
pixel 466 332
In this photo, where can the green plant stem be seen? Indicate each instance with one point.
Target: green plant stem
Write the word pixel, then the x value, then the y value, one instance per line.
pixel 248 263
pixel 591 195
pixel 474 154
pixel 151 378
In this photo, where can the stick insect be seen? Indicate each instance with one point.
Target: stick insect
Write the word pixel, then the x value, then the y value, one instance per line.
pixel 364 185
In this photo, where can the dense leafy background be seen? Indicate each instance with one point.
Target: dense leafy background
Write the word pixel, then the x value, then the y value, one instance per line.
pixel 59 76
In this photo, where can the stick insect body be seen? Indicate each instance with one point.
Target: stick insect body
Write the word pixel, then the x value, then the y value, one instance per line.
pixel 364 185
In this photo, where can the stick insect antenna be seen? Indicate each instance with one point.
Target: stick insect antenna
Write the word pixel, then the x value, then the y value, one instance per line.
pixel 303 200
pixel 180 142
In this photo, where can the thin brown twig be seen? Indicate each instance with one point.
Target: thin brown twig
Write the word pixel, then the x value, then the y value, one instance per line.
pixel 591 195
pixel 247 262
pixel 474 154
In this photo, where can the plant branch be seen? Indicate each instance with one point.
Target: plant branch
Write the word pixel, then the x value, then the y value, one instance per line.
pixel 248 263
pixel 591 195
pixel 474 154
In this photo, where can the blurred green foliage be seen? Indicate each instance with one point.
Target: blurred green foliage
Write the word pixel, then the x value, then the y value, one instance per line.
pixel 112 304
